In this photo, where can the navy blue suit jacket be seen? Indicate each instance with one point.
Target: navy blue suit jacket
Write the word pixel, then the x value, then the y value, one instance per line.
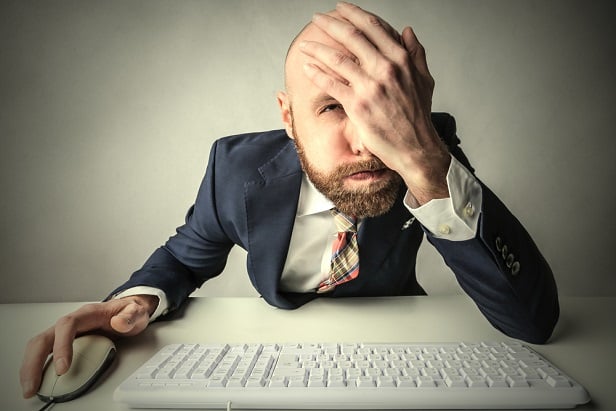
pixel 249 198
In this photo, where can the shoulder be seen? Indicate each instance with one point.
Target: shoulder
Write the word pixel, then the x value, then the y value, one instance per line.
pixel 445 125
pixel 247 156
pixel 256 144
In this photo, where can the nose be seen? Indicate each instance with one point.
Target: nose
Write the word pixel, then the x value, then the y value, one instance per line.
pixel 354 141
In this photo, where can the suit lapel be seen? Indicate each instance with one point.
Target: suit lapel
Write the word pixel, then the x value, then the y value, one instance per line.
pixel 379 234
pixel 271 205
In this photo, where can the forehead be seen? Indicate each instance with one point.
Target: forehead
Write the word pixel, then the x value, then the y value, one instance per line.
pixel 300 87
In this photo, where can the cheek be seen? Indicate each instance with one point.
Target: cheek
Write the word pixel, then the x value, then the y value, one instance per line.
pixel 324 148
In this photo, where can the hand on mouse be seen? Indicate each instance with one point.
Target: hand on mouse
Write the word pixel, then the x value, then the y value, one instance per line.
pixel 120 317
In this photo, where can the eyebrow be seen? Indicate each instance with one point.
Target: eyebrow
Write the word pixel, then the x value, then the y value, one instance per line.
pixel 321 99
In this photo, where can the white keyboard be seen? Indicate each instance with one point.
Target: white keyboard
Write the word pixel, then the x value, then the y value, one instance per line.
pixel 350 376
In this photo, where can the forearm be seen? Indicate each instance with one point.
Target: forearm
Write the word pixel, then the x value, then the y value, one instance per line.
pixel 163 272
pixel 514 288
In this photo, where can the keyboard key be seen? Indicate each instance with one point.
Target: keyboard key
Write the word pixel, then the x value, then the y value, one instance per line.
pixel 557 381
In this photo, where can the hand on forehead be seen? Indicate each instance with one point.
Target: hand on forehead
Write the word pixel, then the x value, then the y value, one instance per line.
pixel 348 31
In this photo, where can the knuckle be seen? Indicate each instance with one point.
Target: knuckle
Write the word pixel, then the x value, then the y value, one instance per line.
pixel 363 106
pixel 389 71
pixel 327 83
pixel 339 58
pixel 353 32
pixel 374 89
pixel 35 342
pixel 374 20
pixel 67 320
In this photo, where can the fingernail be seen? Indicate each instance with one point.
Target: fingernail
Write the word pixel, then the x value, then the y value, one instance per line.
pixel 28 389
pixel 61 366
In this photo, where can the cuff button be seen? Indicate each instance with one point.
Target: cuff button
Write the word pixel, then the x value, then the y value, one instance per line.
pixel 444 229
pixel 504 252
pixel 509 261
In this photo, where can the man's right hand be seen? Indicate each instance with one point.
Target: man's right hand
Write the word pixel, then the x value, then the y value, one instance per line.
pixel 126 316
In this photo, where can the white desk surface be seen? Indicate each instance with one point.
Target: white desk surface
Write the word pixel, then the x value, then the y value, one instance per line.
pixel 583 345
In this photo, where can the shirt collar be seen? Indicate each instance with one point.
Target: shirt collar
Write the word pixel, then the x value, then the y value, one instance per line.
pixel 311 200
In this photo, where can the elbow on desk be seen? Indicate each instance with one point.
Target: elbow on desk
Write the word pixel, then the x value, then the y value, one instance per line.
pixel 536 330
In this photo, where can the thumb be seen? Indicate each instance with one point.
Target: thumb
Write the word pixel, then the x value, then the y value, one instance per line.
pixel 130 320
pixel 415 49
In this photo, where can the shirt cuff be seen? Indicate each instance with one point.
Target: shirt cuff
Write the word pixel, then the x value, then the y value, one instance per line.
pixel 163 305
pixel 455 218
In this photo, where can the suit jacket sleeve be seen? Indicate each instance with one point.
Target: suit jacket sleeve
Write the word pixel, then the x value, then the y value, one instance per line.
pixel 501 269
pixel 197 252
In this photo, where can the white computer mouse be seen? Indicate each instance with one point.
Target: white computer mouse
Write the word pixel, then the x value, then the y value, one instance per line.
pixel 92 355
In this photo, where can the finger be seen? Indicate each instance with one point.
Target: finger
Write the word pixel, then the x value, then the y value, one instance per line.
pixel 415 49
pixel 328 84
pixel 380 33
pixel 64 334
pixel 341 66
pixel 348 35
pixel 35 356
pixel 87 318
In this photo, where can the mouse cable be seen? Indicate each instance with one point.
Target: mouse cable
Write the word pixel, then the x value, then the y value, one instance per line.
pixel 48 405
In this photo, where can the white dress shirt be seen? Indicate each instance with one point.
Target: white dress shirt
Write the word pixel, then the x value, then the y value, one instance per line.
pixel 307 264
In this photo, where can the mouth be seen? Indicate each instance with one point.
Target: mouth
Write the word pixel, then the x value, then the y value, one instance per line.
pixel 368 175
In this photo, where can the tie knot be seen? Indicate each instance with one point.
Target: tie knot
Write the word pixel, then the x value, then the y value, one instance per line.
pixel 344 223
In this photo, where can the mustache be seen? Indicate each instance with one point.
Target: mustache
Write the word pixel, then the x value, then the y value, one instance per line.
pixel 347 169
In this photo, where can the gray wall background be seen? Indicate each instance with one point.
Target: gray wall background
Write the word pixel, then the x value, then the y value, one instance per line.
pixel 108 110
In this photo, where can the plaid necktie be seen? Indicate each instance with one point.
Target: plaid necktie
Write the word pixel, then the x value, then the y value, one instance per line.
pixel 345 253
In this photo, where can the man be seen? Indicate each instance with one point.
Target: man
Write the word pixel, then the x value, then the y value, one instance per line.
pixel 359 137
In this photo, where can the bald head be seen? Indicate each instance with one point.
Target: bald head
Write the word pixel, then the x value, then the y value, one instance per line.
pixel 295 59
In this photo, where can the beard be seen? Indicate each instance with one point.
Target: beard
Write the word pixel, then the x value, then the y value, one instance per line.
pixel 370 200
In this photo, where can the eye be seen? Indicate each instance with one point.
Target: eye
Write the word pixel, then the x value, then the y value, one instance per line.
pixel 331 107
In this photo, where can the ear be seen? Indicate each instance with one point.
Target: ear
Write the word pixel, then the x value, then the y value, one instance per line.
pixel 284 105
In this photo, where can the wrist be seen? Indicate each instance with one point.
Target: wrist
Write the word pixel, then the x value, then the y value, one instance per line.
pixel 428 181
